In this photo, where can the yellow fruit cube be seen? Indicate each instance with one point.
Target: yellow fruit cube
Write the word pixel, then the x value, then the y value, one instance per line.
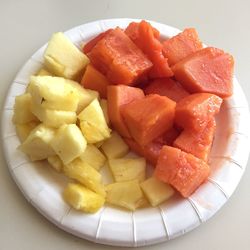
pixel 115 147
pixel 125 194
pixel 37 144
pixel 63 58
pixel 104 106
pixel 53 93
pixel 81 198
pixel 68 143
pixel 127 169
pixel 23 130
pixel 93 156
pixel 156 191
pixel 22 111
pixel 44 72
pixel 93 124
pixel 55 162
pixel 85 174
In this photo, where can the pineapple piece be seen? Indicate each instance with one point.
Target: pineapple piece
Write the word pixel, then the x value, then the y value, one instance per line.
pixel 156 191
pixel 22 112
pixel 56 163
pixel 125 194
pixel 37 144
pixel 85 174
pixel 23 130
pixel 53 93
pixel 53 118
pixel 68 143
pixel 86 96
pixel 115 147
pixel 81 198
pixel 99 144
pixel 93 124
pixel 43 72
pixel 104 106
pixel 127 169
pixel 63 58
pixel 93 156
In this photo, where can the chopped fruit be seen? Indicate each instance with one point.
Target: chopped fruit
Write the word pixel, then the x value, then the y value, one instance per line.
pixel 149 117
pixel 38 143
pixel 125 194
pixel 156 191
pixel 114 147
pixel 85 174
pixel 207 70
pixel 128 169
pixel 104 106
pixel 118 96
pixel 182 45
pixel 55 162
pixel 44 72
pixel 197 143
pixel 68 143
pixel 166 87
pixel 93 124
pixel 183 171
pixel 95 80
pixel 23 130
pixel 81 198
pixel 93 156
pixel 168 137
pixel 22 110
pixel 63 58
pixel 117 57
pixel 196 110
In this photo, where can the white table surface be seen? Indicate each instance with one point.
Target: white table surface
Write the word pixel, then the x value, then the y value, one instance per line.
pixel 26 25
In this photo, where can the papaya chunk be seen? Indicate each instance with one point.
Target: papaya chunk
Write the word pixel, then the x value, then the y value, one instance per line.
pixel 195 111
pixel 119 59
pixel 198 144
pixel 183 171
pixel 207 70
pixel 95 80
pixel 180 46
pixel 117 96
pixel 166 87
pixel 148 118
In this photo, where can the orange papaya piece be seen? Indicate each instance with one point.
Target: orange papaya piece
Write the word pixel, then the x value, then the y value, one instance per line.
pixel 117 96
pixel 198 144
pixel 91 44
pixel 182 170
pixel 195 111
pixel 148 118
pixel 180 46
pixel 119 59
pixel 168 137
pixel 166 87
pixel 207 70
pixel 95 80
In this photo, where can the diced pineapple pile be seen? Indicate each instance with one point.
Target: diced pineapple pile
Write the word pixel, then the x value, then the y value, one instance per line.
pixel 59 121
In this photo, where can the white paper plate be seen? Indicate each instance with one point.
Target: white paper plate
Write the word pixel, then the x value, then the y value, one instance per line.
pixel 42 187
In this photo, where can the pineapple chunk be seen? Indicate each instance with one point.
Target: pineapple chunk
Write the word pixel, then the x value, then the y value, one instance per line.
pixel 53 118
pixel 104 106
pixel 156 191
pixel 93 156
pixel 93 124
pixel 81 198
pixel 53 93
pixel 85 174
pixel 115 147
pixel 127 169
pixel 125 194
pixel 86 96
pixel 99 144
pixel 23 130
pixel 55 162
pixel 43 72
pixel 22 112
pixel 68 143
pixel 37 144
pixel 63 58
